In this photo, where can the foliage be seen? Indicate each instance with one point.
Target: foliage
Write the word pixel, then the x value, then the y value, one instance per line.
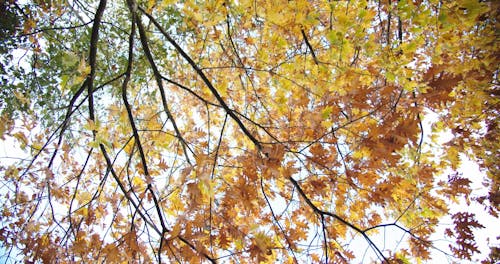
pixel 27 73
pixel 245 131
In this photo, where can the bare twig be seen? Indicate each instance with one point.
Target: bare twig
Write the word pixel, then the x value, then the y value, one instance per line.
pixel 309 46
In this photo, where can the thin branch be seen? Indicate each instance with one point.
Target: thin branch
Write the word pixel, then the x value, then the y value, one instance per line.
pixel 277 221
pixel 93 60
pixel 340 219
pixel 134 128
pixel 90 80
pixel 309 46
pixel 205 80
pixel 235 50
pixel 325 239
pixel 43 30
pixel 70 211
pixel 212 260
pixel 158 77
pixel 426 242
pixel 110 168
pixel 421 126
pixel 66 121
pixel 400 30
pixel 183 87
pixel 389 17
pixel 213 167
pixel 333 129
pixel 64 125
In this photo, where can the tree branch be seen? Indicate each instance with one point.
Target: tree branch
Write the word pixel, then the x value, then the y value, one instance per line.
pixel 204 78
pixel 340 219
pixel 134 128
pixel 309 46
pixel 287 239
pixel 92 58
pixel 158 78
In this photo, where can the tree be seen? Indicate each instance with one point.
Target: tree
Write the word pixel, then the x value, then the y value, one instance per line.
pixel 245 131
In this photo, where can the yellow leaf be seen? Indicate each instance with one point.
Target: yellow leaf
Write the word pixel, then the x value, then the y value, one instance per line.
pixel 84 197
pixel 138 182
pixel 21 138
pixel 362 153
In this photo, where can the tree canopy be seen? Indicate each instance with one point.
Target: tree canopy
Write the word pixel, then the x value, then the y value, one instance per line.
pixel 246 131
